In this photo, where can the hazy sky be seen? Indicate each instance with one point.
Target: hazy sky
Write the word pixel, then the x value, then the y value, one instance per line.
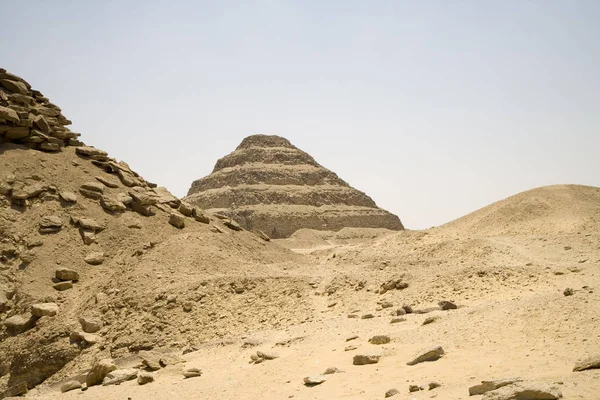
pixel 433 108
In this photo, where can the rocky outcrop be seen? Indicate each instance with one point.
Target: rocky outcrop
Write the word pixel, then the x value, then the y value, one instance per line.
pixel 28 117
pixel 268 184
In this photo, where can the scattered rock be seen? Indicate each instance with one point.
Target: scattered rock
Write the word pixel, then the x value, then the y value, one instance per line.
pixel 66 274
pixel 364 359
pixel 314 380
pixel 186 209
pixel 99 371
pixel 431 319
pixel 50 224
pixel 90 325
pixel 262 235
pixel 88 223
pixel 568 292
pixel 267 355
pixel 177 220
pixel 111 204
pixel 397 320
pixel 392 284
pixel 93 190
pixel 592 362
pixel 407 309
pixel 60 286
pixel 92 153
pixel 524 391
pixel 20 323
pixel 433 385
pixel 447 305
pixel 68 197
pixel 231 224
pixel 332 370
pixel 349 338
pixel 487 386
pixel 70 385
pixel 88 237
pixel 367 316
pixel 350 348
pixel 431 354
pixel 94 258
pixel 44 309
pixel 108 181
pixel 144 377
pixel 379 339
pixel 192 373
pixel 119 376
pixel 86 339
pixel 413 388
pixel 201 216
pixel 392 392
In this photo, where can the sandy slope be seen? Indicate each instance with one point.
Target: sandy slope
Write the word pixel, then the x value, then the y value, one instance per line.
pixel 507 276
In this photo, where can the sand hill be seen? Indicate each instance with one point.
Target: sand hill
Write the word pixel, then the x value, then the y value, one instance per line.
pixel 110 287
pixel 270 185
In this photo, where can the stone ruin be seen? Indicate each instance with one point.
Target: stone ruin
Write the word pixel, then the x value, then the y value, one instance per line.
pixel 29 118
pixel 269 185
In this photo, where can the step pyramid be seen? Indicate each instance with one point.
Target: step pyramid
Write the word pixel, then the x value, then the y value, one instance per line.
pixel 270 185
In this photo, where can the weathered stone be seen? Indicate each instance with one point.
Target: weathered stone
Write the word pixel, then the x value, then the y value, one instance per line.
pixel 88 237
pixel 413 388
pixel 524 391
pixel 365 359
pixel 177 220
pixel 192 373
pixel 592 362
pixel 431 354
pixel 20 323
pixel 119 376
pixel 267 355
pixel 332 370
pixel 201 216
pixel 391 392
pixel 66 274
pixel 186 209
pixel 94 258
pixel 447 305
pixel 379 339
pixel 28 191
pixel 92 153
pixel 88 223
pixel 231 224
pixel 44 309
pixel 50 224
pixel 144 378
pixel 144 197
pixel 111 204
pixel 262 235
pixel 9 115
pixel 367 316
pixel 68 197
pixel 431 319
pixel 87 339
pixel 90 325
pixel 70 385
pixel 40 122
pixel 49 147
pixel 14 86
pixel 487 386
pixel 397 320
pixel 17 132
pixel 60 286
pixel 99 372
pixel 433 385
pixel 314 380
pixel 92 190
pixel 109 181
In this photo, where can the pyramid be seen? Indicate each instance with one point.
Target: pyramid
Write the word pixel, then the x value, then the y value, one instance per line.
pixel 268 184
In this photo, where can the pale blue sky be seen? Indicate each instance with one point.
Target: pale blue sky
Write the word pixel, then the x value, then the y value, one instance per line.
pixel 433 108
